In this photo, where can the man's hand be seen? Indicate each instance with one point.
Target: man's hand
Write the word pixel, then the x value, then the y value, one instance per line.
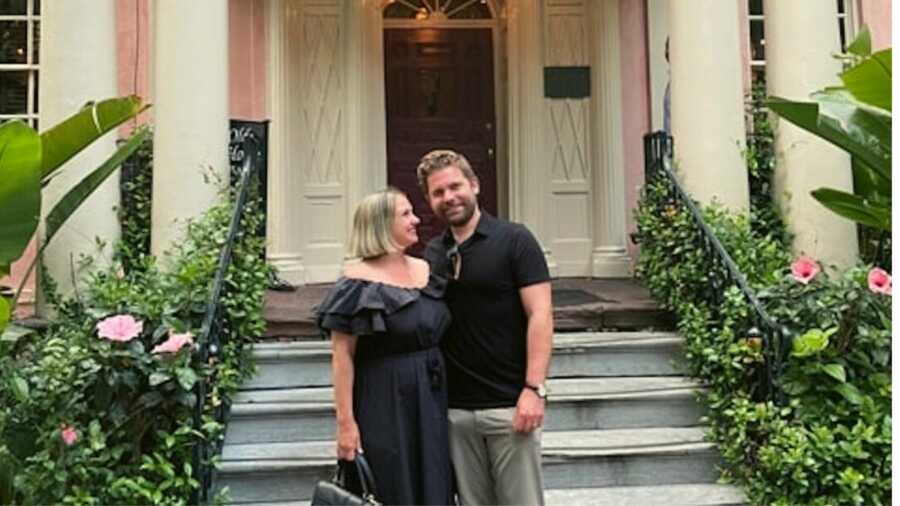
pixel 529 412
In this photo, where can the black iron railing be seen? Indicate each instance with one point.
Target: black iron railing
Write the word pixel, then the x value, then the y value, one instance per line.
pixel 724 272
pixel 215 332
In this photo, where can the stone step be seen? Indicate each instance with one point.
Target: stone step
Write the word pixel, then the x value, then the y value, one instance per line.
pixel 273 472
pixel 308 363
pixel 306 414
pixel 578 305
pixel 699 494
pixel 692 494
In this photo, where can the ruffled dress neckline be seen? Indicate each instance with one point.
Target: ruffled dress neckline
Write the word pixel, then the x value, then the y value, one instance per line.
pixel 364 303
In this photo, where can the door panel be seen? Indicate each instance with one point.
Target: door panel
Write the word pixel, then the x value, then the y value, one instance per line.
pixel 439 95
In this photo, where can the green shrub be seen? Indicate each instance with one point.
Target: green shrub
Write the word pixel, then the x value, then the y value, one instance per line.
pixel 830 440
pixel 130 408
pixel 135 210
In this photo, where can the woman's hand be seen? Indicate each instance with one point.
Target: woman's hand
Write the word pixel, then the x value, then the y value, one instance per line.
pixel 347 440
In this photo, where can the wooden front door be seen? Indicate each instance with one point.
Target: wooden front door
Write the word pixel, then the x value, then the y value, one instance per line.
pixel 439 86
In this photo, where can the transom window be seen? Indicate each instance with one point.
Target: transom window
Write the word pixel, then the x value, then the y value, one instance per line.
pixel 20 30
pixel 437 10
pixel 846 27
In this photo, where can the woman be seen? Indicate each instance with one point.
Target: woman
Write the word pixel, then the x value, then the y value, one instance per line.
pixel 386 318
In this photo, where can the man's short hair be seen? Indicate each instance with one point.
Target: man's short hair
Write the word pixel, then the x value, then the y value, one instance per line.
pixel 373 225
pixel 440 159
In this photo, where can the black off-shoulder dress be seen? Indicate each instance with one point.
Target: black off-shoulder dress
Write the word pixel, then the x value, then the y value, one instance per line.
pixel 400 385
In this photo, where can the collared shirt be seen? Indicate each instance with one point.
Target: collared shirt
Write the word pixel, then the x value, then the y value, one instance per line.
pixel 486 346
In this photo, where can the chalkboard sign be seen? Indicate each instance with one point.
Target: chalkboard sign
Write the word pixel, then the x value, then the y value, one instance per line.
pixel 245 135
pixel 567 82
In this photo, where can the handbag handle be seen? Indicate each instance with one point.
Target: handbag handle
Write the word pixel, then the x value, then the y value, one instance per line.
pixel 366 476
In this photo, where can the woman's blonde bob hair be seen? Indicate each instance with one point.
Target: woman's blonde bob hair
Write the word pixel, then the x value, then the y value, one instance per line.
pixel 373 225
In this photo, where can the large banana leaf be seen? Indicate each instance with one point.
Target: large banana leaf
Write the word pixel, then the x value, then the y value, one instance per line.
pixel 66 139
pixel 862 44
pixel 868 184
pixel 78 194
pixel 856 208
pixel 4 313
pixel 863 133
pixel 870 80
pixel 20 184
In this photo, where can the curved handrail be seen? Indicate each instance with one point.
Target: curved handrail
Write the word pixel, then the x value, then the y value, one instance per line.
pixel 209 342
pixel 658 149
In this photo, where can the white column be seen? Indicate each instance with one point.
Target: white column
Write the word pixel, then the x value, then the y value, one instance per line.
pixel 284 248
pixel 190 84
pixel 801 37
pixel 78 65
pixel 609 257
pixel 707 101
pixel 528 178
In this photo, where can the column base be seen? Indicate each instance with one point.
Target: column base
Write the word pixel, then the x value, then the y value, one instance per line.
pixel 289 266
pixel 611 262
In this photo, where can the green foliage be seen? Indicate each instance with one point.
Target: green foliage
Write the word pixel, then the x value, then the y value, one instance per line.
pixel 765 216
pixel 136 207
pixel 29 161
pixel 20 196
pixel 131 408
pixel 830 442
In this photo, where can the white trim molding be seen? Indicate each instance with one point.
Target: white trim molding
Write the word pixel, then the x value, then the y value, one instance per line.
pixel 283 249
pixel 609 257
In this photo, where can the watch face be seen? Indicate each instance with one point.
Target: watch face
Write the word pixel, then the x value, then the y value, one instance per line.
pixel 539 389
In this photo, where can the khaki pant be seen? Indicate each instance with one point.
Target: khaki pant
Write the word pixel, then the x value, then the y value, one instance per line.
pixel 493 464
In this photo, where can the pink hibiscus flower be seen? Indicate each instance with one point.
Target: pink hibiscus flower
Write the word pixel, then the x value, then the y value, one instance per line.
pixel 804 269
pixel 880 281
pixel 174 343
pixel 121 328
pixel 68 434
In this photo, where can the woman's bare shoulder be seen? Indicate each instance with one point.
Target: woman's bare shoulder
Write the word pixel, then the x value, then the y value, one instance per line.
pixel 357 269
pixel 421 268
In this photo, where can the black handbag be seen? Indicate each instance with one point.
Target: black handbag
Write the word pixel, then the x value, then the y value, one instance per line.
pixel 334 492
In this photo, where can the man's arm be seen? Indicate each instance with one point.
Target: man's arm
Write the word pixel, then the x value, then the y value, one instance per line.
pixel 536 300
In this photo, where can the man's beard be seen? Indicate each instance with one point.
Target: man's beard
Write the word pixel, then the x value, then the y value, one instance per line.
pixel 468 211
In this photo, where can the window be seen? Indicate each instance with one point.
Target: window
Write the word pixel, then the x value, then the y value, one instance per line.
pixel 437 9
pixel 20 30
pixel 846 28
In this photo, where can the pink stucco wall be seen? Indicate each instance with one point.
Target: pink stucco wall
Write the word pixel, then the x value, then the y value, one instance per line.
pixel 635 101
pixel 876 14
pixel 246 46
pixel 247 59
pixel 133 53
pixel 26 301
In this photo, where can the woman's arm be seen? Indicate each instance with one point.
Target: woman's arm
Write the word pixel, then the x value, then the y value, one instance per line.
pixel 343 348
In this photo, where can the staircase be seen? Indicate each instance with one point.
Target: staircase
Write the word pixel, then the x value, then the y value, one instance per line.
pixel 622 425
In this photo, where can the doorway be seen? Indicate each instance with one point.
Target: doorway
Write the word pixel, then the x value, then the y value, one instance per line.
pixel 439 94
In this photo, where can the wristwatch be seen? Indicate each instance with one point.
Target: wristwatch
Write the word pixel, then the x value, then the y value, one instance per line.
pixel 539 389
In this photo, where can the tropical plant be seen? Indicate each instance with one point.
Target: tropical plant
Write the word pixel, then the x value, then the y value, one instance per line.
pixel 99 409
pixel 829 441
pixel 857 118
pixel 28 161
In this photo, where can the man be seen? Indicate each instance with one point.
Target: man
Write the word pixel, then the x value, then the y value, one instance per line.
pixel 498 347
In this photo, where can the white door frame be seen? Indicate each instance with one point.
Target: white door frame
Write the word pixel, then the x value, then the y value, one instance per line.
pixel 518 36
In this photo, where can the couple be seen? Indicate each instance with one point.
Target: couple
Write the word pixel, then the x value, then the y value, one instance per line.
pixel 474 321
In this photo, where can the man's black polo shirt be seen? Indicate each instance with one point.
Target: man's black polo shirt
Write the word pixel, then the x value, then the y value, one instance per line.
pixel 485 348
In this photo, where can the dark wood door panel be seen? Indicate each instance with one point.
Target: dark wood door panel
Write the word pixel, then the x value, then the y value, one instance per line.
pixel 439 89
